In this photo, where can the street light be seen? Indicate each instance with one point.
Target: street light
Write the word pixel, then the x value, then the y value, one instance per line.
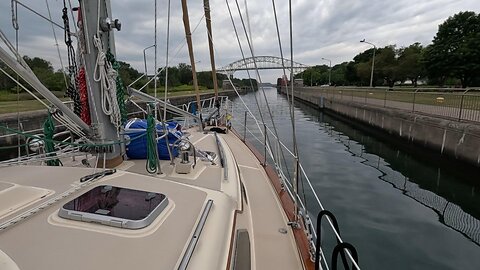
pixel 373 60
pixel 330 70
pixel 145 59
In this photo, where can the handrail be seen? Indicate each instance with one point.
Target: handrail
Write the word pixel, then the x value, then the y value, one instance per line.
pixel 221 154
pixel 195 237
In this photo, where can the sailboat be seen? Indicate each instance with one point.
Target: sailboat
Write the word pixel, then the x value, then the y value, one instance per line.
pixel 105 199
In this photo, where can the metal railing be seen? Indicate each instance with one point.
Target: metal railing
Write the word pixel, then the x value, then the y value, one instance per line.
pixel 272 146
pixel 457 104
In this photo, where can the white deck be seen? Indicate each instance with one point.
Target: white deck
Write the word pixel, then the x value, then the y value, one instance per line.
pixel 46 241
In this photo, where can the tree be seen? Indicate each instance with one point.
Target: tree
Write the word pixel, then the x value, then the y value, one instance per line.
pixel 410 65
pixel 351 74
pixel 5 82
pixel 184 73
pixel 54 81
pixel 338 74
pixel 386 65
pixel 363 67
pixel 455 49
pixel 129 74
pixel 363 72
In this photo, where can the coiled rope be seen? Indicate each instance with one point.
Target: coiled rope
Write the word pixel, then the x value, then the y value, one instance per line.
pixel 152 164
pixel 48 132
pixel 106 76
pixel 120 87
pixel 82 89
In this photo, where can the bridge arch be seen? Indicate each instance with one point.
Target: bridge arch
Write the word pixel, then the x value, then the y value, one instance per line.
pixel 263 62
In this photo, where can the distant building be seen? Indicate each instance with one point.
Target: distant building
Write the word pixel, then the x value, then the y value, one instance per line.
pixel 298 82
pixel 226 85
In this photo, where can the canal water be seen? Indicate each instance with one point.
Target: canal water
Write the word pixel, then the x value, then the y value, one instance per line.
pixel 397 210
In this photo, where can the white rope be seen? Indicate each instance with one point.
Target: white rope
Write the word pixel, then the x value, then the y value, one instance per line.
pixel 106 76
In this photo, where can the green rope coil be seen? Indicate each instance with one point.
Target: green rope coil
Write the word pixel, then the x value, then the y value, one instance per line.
pixel 120 86
pixel 152 154
pixel 48 132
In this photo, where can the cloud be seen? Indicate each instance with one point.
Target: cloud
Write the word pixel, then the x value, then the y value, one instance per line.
pixel 325 28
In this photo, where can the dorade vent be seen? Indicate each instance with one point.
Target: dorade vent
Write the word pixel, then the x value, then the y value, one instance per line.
pixel 116 207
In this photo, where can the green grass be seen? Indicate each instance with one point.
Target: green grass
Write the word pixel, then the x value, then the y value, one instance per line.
pixel 9 96
pixel 9 104
pixel 21 106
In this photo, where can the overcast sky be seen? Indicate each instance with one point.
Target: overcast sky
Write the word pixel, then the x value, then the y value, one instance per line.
pixel 321 28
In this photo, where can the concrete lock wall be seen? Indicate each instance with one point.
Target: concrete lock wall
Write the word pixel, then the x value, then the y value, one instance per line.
pixel 457 140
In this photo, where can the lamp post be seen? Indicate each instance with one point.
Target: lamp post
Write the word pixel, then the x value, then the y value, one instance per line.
pixel 373 60
pixel 145 59
pixel 329 71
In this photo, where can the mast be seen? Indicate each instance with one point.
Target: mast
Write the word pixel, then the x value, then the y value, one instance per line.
pixel 188 35
pixel 208 20
pixel 96 19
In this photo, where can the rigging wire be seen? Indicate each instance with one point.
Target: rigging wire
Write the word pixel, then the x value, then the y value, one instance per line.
pixel 166 60
pixel 177 50
pixel 164 118
pixel 71 13
pixel 38 14
pixel 292 110
pixel 250 45
pixel 155 52
pixel 283 62
pixel 248 21
pixel 56 45
pixel 16 27
pixel 88 145
pixel 248 72
pixel 285 76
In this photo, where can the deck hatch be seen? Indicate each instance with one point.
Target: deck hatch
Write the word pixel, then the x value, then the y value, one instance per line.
pixel 116 207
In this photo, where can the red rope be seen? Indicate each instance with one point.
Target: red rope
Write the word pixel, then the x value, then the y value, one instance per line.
pixel 82 89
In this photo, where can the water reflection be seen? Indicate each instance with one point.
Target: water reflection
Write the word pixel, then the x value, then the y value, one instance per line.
pixel 455 203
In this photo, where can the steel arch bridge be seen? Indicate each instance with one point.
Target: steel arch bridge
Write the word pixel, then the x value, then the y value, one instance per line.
pixel 263 62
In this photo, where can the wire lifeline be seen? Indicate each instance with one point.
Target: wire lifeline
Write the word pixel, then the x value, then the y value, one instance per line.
pixel 29 135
